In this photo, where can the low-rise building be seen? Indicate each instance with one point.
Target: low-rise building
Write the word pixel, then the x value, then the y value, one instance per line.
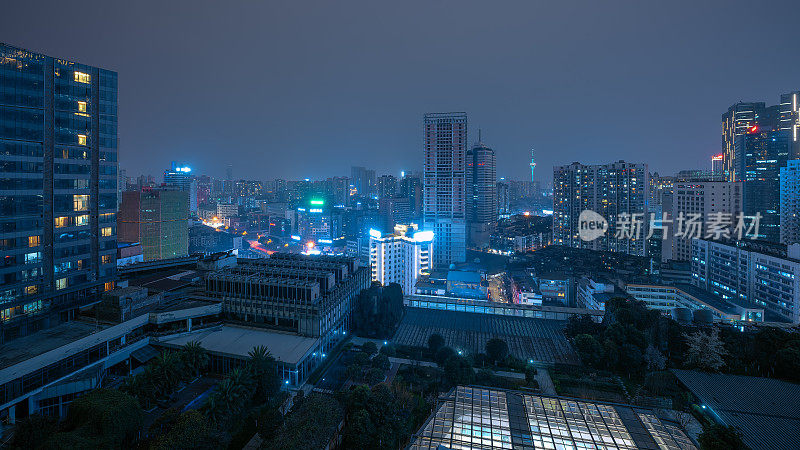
pixel 665 298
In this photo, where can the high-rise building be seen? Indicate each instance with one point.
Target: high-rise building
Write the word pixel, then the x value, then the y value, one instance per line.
pixel 503 199
pixel 387 186
pixel 748 271
pixel 739 118
pixel 765 152
pixel 705 200
pixel 363 180
pixel 58 146
pixel 181 177
pixel 400 257
pixel 481 193
pixel 790 202
pixel 790 121
pixel 718 165
pixel 445 144
pixel 411 188
pixel 158 219
pixel 618 192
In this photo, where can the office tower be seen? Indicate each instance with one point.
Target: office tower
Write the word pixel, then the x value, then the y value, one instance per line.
pixel 481 193
pixel 337 190
pixel 745 271
pixel 58 146
pixel 181 177
pixel 618 191
pixel 387 186
pixel 739 118
pixel 393 211
pixel 444 198
pixel 703 199
pixel 503 199
pixel 718 166
pixel 400 257
pixel 790 121
pixel 765 151
pixel 363 180
pixel 790 202
pixel 158 219
pixel 659 186
pixel 315 220
pixel 411 188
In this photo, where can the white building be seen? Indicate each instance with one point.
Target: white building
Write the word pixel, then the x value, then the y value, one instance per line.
pixel 665 298
pixel 445 185
pixel 400 257
pixel 790 202
pixel 593 294
pixel 764 273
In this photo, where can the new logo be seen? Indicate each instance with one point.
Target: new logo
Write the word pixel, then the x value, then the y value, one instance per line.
pixel 591 225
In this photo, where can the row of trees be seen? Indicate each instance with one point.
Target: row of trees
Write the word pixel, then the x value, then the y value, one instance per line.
pixel 378 310
pixel 163 375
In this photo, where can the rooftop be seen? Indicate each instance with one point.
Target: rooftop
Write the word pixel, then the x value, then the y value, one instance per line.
pixel 761 408
pixel 237 341
pixel 476 417
pixel 43 341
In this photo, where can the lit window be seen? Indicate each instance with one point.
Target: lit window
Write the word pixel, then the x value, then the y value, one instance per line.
pixel 82 220
pixel 30 290
pixel 106 259
pixel 62 222
pixel 81 139
pixel 82 107
pixel 108 286
pixel 80 202
pixel 33 241
pixel 106 231
pixel 79 264
pixel 61 283
pixel 81 77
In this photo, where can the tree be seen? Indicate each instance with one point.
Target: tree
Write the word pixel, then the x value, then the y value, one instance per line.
pixel 269 421
pixel 589 350
pixel 530 374
pixel 105 418
pixel 33 431
pixel 720 437
pixel 195 357
pixel 435 342
pixel 443 354
pixel 654 359
pixel 191 431
pixel 264 371
pixel 496 349
pixel 312 424
pixel 787 362
pixel 581 324
pixel 458 370
pixel 369 348
pixel 705 351
pixel 381 362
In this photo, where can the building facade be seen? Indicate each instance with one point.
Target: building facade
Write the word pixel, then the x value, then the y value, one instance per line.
pixel 618 192
pixel 58 149
pixel 481 193
pixel 790 202
pixel 445 184
pixel 762 273
pixel 181 177
pixel 158 219
pixel 400 257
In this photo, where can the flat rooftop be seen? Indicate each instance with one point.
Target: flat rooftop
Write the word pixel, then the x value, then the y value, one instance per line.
pixel 237 341
pixel 24 348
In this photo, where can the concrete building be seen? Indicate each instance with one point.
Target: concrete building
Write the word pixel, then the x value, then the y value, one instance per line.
pixel 445 185
pixel 158 219
pixel 58 149
pixel 481 193
pixel 790 202
pixel 706 200
pixel 615 191
pixel 666 298
pixel 181 177
pixel 763 273
pixel 400 257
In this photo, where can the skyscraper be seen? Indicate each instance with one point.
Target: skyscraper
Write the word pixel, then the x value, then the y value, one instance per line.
pixel 482 193
pixel 58 147
pixel 444 198
pixel 790 202
pixel 765 151
pixel 618 191
pixel 363 180
pixel 181 177
pixel 739 118
pixel 790 121
pixel 158 219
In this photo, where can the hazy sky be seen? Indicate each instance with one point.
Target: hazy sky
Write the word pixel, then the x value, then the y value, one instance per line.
pixel 299 89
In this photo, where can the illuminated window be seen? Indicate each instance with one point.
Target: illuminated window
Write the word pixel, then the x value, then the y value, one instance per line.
pixel 61 222
pixel 108 286
pixel 81 77
pixel 30 290
pixel 82 107
pixel 82 220
pixel 106 231
pixel 80 202
pixel 61 283
pixel 79 264
pixel 106 259
pixel 33 241
pixel 81 139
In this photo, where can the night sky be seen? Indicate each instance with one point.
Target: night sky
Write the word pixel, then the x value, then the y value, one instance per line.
pixel 299 89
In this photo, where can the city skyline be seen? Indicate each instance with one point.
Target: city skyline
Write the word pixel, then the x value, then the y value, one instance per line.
pixel 524 85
